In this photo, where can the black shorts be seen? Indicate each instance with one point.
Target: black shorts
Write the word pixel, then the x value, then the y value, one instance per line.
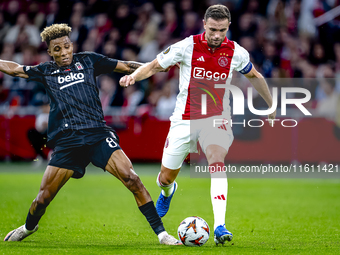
pixel 84 147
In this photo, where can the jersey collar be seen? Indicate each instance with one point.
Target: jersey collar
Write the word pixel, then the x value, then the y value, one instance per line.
pixel 66 67
pixel 204 41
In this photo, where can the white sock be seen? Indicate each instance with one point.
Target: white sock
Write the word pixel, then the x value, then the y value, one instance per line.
pixel 28 231
pixel 218 193
pixel 161 235
pixel 166 189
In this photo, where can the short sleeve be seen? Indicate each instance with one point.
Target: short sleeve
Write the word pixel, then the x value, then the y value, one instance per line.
pixel 241 56
pixel 35 73
pixel 173 54
pixel 102 64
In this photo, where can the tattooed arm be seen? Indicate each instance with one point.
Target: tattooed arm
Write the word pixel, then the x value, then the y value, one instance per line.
pixel 127 67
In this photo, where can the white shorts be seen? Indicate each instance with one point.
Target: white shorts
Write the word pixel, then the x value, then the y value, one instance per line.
pixel 184 134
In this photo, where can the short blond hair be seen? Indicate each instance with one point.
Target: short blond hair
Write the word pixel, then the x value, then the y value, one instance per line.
pixel 55 31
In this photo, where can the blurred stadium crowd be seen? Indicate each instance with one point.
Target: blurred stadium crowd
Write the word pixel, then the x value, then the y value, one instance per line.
pixel 285 38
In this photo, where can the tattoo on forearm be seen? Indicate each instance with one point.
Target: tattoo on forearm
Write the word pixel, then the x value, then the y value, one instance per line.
pixel 131 66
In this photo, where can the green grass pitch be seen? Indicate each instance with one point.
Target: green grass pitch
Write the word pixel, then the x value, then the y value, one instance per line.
pixel 98 215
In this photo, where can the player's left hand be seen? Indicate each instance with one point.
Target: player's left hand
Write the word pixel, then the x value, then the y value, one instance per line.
pixel 167 69
pixel 271 118
pixel 127 80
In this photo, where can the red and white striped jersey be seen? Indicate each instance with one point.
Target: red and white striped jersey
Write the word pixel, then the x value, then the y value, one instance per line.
pixel 200 70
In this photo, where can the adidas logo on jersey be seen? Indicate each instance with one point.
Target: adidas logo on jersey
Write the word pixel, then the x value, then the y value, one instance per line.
pixel 220 197
pixel 201 59
pixel 73 78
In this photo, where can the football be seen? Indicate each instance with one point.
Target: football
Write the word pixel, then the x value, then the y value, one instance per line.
pixel 193 231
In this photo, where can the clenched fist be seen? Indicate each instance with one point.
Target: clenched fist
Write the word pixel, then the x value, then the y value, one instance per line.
pixel 126 81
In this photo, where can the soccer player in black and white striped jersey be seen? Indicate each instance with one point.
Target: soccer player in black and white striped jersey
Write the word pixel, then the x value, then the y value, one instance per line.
pixel 77 129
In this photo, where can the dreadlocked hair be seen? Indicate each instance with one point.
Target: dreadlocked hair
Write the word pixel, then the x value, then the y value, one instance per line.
pixel 55 31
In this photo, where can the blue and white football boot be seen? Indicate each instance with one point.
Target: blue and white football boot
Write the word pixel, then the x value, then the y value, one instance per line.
pixel 221 234
pixel 163 202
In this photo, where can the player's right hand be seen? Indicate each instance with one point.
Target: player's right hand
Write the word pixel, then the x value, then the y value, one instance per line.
pixel 126 81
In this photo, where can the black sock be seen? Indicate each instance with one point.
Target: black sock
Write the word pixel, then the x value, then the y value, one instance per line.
pixel 150 213
pixel 31 221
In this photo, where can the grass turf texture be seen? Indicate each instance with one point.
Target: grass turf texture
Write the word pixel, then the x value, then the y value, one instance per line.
pixel 98 215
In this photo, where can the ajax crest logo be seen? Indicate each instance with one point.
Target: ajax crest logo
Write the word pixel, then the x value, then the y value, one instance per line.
pixel 223 61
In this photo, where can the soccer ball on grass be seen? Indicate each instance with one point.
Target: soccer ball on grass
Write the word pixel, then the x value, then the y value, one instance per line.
pixel 193 231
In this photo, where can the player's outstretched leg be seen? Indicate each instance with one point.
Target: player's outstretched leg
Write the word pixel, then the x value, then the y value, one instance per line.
pixel 120 166
pixel 218 192
pixel 54 178
pixel 166 181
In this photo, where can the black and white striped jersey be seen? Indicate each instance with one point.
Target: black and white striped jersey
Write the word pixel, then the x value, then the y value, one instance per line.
pixel 72 91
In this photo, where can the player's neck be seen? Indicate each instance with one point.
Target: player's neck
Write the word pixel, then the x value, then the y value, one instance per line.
pixel 213 48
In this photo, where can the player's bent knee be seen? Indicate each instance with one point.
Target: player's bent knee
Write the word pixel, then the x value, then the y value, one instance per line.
pixel 215 153
pixel 133 182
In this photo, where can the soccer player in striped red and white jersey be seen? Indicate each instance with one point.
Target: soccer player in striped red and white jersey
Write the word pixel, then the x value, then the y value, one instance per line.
pixel 205 60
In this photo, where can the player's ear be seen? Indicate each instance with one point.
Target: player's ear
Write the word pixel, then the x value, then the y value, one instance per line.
pixel 204 24
pixel 49 52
